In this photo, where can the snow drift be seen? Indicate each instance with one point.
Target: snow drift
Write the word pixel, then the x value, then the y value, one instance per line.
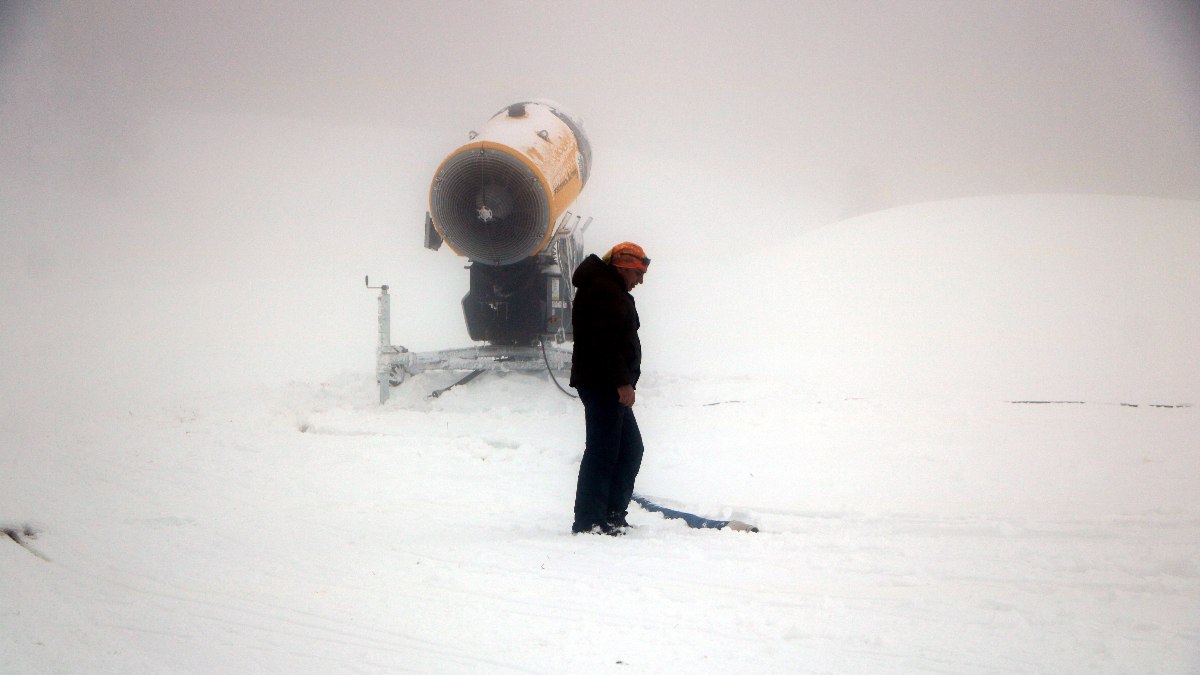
pixel 1037 296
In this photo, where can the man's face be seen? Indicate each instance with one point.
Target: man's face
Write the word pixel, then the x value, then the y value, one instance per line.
pixel 632 277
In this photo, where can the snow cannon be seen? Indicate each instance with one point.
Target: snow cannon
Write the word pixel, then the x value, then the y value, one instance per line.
pixel 498 199
pixel 501 200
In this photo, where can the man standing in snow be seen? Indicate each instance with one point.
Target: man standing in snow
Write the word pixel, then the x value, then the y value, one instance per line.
pixel 605 366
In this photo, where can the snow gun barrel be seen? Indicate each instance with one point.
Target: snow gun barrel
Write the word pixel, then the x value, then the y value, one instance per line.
pixel 497 198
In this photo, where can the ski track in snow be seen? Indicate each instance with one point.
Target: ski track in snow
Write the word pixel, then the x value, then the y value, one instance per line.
pixel 310 530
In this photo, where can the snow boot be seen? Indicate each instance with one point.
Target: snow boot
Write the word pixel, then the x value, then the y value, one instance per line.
pixel 616 519
pixel 597 528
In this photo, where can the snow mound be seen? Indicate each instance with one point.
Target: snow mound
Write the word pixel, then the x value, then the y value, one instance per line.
pixel 1033 296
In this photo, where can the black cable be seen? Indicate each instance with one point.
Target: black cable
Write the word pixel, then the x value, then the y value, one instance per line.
pixel 550 370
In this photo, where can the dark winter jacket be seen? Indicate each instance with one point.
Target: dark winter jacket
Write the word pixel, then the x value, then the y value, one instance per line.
pixel 604 318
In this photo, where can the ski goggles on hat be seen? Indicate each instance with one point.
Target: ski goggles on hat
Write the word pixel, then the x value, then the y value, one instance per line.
pixel 631 261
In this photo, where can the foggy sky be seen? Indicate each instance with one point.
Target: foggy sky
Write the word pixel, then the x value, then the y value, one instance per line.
pixel 852 106
pixel 207 183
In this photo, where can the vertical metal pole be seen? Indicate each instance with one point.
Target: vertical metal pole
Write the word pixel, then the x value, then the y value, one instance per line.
pixel 382 369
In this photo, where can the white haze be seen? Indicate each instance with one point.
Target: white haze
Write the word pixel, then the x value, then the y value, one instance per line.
pixel 891 202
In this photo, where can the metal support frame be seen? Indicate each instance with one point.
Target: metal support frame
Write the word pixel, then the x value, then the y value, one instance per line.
pixel 394 363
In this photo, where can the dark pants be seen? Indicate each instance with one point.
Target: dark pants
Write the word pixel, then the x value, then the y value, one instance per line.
pixel 611 458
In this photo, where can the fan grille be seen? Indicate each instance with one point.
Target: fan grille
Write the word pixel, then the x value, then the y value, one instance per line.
pixel 490 206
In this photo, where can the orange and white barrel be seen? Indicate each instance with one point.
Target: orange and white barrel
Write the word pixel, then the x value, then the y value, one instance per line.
pixel 497 199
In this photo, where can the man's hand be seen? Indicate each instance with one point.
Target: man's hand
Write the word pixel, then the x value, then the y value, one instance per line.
pixel 626 395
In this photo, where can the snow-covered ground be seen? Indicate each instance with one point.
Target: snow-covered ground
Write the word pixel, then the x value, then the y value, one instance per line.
pixel 202 509
pixel 306 529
